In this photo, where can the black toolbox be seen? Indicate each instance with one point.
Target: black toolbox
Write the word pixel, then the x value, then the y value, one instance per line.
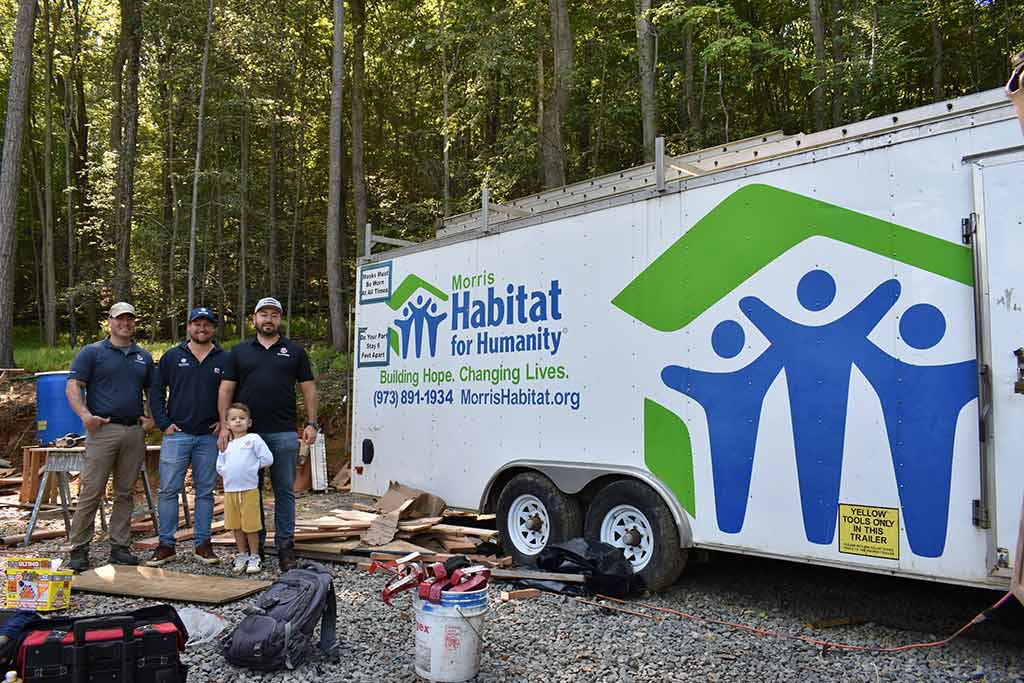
pixel 141 646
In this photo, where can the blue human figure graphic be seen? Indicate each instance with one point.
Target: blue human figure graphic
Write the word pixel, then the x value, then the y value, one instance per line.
pixel 732 403
pixel 921 404
pixel 818 359
pixel 419 316
pixel 433 321
pixel 405 326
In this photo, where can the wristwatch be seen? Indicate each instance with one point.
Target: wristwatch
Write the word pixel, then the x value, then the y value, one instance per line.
pixel 314 424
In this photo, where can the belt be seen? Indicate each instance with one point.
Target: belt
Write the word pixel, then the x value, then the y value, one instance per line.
pixel 126 421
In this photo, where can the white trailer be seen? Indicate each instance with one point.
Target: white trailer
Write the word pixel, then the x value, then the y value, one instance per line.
pixel 800 347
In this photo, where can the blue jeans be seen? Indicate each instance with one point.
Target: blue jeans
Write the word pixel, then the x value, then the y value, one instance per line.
pixel 176 452
pixel 285 447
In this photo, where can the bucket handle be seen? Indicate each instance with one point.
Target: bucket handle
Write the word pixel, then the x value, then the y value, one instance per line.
pixel 469 623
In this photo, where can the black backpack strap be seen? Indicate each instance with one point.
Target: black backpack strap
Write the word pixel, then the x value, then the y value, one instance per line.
pixel 329 620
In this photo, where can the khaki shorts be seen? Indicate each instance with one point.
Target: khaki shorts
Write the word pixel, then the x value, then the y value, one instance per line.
pixel 242 510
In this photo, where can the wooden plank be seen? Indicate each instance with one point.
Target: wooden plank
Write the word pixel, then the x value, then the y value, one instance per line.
pixel 179 536
pixel 162 584
pixel 540 576
pixel 382 529
pixel 486 534
pixel 16 539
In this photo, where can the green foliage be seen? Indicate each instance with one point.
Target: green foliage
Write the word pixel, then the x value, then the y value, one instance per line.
pixel 748 66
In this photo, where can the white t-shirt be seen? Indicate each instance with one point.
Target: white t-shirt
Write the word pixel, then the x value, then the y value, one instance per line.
pixel 240 464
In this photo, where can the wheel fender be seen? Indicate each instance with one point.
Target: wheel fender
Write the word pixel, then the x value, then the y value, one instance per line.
pixel 572 477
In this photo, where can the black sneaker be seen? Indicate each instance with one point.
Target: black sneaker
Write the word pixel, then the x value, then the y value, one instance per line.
pixel 120 554
pixel 286 559
pixel 78 561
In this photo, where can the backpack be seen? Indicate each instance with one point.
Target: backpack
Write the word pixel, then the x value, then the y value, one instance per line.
pixel 278 628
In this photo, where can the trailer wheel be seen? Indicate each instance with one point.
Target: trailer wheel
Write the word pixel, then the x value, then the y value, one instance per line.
pixel 532 513
pixel 630 515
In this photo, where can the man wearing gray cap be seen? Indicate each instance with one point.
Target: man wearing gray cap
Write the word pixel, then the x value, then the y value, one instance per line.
pixel 262 374
pixel 113 373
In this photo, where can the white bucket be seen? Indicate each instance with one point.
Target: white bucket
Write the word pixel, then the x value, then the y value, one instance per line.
pixel 448 635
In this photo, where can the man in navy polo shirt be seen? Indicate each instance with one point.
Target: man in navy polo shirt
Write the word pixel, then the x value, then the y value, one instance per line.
pixel 262 373
pixel 191 373
pixel 114 373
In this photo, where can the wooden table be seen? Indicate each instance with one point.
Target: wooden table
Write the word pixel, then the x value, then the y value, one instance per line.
pixel 61 461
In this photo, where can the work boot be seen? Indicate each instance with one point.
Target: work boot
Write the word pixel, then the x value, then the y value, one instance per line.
pixel 204 553
pixel 121 554
pixel 78 561
pixel 161 556
pixel 286 559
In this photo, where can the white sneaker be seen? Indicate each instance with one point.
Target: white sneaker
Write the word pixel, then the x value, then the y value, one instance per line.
pixel 241 560
pixel 254 566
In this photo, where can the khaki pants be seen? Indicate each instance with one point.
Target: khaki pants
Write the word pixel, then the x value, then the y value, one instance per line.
pixel 110 448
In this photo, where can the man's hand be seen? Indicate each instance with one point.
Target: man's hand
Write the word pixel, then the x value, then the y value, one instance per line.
pixel 93 422
pixel 222 438
pixel 147 423
pixel 309 435
pixel 172 429
pixel 215 429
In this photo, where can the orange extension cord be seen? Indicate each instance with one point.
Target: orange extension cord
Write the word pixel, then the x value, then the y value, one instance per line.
pixel 824 644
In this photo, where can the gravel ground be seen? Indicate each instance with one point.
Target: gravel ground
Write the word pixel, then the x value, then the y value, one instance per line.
pixel 554 638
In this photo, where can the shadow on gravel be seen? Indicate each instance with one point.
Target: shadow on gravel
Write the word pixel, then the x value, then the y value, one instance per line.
pixel 806 593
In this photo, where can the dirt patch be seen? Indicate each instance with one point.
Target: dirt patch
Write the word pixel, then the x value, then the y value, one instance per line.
pixel 17 418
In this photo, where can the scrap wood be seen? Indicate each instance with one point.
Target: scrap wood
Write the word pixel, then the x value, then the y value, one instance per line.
pixel 540 576
pixel 486 534
pixel 522 594
pixel 343 479
pixel 17 539
pixel 363 507
pixel 163 584
pixel 383 529
pixel 181 535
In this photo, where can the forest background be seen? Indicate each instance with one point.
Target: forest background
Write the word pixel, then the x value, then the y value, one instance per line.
pixel 179 151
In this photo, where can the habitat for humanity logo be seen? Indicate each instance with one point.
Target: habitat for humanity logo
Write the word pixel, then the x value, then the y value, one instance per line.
pixel 420 317
pixel 921 403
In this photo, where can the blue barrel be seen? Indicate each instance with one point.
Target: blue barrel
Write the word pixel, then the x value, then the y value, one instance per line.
pixel 54 417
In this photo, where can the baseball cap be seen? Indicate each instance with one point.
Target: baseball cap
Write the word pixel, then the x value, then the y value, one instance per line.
pixel 202 312
pixel 120 308
pixel 268 301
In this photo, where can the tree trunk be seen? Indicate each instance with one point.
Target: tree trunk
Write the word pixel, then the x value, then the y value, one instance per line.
pixel 689 90
pixel 10 169
pixel 199 159
pixel 542 95
pixel 167 171
pixel 243 218
pixel 69 209
pixel 296 203
pixel 358 12
pixel 838 62
pixel 818 27
pixel 646 58
pixel 335 241
pixel 558 105
pixel 272 279
pixel 131 39
pixel 36 190
pixel 445 140
pixel 50 26
pixel 937 72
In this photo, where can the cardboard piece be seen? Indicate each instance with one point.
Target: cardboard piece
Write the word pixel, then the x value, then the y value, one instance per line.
pixel 382 529
pixel 423 504
pixel 162 584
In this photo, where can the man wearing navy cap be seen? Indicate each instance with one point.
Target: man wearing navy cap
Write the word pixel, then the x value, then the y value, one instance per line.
pixel 114 374
pixel 183 401
pixel 262 373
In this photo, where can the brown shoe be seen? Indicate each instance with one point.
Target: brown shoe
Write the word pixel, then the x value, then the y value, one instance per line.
pixel 161 556
pixel 204 553
pixel 286 559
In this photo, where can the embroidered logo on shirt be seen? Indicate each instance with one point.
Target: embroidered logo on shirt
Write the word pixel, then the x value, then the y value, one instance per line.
pixel 216 371
pixel 183 361
pixel 139 359
pixel 282 351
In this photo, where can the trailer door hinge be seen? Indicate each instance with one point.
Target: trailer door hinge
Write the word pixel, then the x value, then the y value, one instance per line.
pixel 968 226
pixel 981 519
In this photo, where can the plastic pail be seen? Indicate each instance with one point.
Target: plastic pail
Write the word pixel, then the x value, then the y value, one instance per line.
pixel 448 635
pixel 54 417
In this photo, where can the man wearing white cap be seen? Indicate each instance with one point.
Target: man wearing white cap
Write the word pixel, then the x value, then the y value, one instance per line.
pixel 262 374
pixel 114 373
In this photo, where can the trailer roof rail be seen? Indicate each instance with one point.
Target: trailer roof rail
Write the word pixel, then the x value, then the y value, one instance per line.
pixel 710 160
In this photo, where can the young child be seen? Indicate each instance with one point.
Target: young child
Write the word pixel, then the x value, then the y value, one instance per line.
pixel 239 466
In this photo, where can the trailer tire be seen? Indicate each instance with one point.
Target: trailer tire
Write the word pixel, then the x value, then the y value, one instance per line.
pixel 531 500
pixel 630 515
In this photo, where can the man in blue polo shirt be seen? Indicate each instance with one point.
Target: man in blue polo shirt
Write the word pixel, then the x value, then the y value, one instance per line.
pixel 114 373
pixel 262 374
pixel 191 372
